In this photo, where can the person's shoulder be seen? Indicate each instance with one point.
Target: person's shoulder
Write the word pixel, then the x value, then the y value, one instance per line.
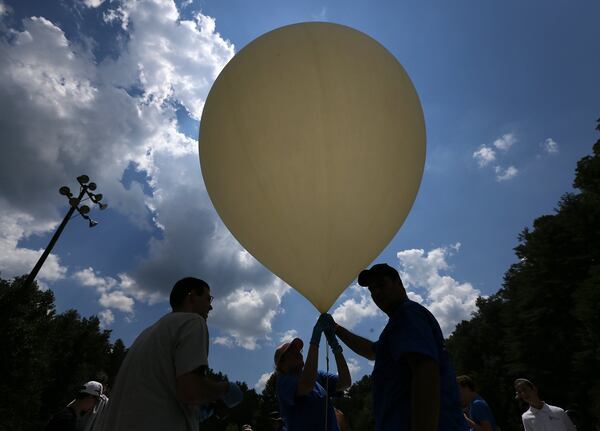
pixel 555 409
pixel 527 414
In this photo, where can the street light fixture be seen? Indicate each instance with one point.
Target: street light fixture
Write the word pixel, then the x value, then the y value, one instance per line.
pixel 83 210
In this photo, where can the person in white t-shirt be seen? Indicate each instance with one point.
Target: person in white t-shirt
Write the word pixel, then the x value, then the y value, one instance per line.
pixel 162 381
pixel 540 416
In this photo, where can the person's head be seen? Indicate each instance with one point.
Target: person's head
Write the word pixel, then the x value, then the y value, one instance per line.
pixel 288 357
pixel 191 295
pixel 466 390
pixel 385 286
pixel 87 396
pixel 526 391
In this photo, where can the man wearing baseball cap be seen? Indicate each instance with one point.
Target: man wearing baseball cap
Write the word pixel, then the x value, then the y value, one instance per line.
pixel 85 399
pixel 163 379
pixel 414 385
pixel 303 391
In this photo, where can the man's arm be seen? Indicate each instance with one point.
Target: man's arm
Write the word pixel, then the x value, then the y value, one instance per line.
pixel 425 392
pixel 359 345
pixel 308 377
pixel 196 389
pixel 483 426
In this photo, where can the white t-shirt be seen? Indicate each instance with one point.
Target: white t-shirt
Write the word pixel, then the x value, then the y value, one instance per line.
pixel 548 418
pixel 144 393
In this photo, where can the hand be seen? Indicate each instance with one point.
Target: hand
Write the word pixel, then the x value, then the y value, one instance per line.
pixel 205 412
pixel 329 329
pixel 233 396
pixel 315 339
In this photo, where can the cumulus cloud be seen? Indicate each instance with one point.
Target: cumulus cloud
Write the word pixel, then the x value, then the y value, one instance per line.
pixel 16 226
pixel 484 155
pixel 262 382
pixel 112 292
pixel 104 117
pixel 106 318
pixel 354 367
pixel 487 156
pixel 550 146
pixel 246 314
pixel 505 174
pixel 93 3
pixel 355 309
pixel 449 300
pixel 288 336
pixel 505 141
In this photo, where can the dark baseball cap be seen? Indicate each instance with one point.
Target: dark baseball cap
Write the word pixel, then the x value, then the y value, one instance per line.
pixel 367 276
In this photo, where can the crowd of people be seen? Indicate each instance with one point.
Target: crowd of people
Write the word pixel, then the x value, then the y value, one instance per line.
pixel 163 381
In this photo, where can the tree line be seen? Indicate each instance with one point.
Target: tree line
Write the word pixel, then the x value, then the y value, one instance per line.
pixel 543 324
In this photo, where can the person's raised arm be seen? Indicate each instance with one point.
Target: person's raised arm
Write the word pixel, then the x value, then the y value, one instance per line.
pixel 344 380
pixel 359 345
pixel 425 392
pixel 308 377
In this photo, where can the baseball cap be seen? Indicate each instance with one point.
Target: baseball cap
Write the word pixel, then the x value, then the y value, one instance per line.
pixel 92 388
pixel 367 276
pixel 296 343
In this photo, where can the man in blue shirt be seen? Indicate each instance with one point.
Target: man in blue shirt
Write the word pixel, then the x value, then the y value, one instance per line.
pixel 302 391
pixel 479 415
pixel 414 386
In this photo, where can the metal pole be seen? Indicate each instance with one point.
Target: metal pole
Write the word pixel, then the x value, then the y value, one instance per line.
pixel 46 252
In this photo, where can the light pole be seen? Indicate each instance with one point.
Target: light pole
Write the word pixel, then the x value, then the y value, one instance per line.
pixel 86 188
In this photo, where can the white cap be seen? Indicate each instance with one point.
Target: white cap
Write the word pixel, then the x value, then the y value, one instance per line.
pixel 92 387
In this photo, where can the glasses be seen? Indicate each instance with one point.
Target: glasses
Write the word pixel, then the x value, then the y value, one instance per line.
pixel 210 297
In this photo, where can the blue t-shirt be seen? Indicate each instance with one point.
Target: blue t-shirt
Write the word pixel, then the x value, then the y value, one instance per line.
pixel 412 329
pixel 306 412
pixel 480 411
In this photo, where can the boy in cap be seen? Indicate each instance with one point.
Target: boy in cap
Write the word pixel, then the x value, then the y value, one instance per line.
pixel 414 386
pixel 303 391
pixel 85 400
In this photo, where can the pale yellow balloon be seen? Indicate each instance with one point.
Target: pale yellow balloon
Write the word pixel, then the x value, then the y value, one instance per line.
pixel 312 146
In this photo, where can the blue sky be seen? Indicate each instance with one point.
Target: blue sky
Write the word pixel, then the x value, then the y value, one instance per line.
pixel 115 89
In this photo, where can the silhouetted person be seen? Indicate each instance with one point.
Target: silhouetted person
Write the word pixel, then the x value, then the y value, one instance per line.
pixel 479 416
pixel 540 416
pixel 85 399
pixel 414 385
pixel 302 390
pixel 163 379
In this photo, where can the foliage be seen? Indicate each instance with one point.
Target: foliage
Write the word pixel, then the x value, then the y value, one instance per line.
pixel 544 322
pixel 46 355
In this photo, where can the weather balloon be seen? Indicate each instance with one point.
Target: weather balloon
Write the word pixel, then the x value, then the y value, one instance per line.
pixel 312 146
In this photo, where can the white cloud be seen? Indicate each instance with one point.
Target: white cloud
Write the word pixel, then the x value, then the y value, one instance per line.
pixel 505 142
pixel 262 382
pixel 16 226
pixel 93 3
pixel 288 336
pixel 353 310
pixel 449 300
pixel 117 300
pixel 223 341
pixel 106 318
pixel 484 156
pixel 550 146
pixel 246 315
pixel 354 367
pixel 505 174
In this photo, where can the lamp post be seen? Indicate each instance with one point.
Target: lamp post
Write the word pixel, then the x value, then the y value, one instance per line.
pixel 86 188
